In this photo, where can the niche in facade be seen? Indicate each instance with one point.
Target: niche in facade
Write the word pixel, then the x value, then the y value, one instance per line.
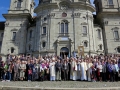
pixel 12 50
pixel 118 49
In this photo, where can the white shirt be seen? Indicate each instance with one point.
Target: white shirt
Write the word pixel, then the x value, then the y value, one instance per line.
pixel 99 67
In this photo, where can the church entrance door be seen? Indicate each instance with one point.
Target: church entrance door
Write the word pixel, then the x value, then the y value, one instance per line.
pixel 64 52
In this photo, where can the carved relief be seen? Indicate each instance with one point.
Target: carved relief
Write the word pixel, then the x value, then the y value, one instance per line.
pixel 76 15
pixel 6 24
pixel 89 16
pixel 25 23
pixel 106 22
pixel 64 5
pixel 115 28
pixel 84 23
pixel 51 15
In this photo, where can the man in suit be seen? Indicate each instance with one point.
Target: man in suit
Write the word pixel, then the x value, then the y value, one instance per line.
pixel 58 66
pixel 65 69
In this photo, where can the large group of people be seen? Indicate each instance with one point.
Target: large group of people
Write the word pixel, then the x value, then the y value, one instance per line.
pixel 54 68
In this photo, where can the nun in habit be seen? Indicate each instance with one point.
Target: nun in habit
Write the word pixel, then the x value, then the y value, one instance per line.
pixel 83 70
pixel 73 72
pixel 52 69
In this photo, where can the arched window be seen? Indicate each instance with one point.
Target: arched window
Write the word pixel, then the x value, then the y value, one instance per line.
pixel 85 30
pixel 14 36
pixel 85 44
pixel 110 2
pixel 116 35
pixel 12 50
pixel 100 47
pixel 43 44
pixel 64 27
pixel 44 30
pixel 19 3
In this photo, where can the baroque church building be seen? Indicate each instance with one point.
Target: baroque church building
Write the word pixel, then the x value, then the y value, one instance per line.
pixel 61 27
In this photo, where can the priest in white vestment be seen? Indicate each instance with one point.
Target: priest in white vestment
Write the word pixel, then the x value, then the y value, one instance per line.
pixel 73 71
pixel 83 70
pixel 89 70
pixel 52 69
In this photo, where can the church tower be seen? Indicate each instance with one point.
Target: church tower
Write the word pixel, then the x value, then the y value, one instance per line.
pixel 108 13
pixel 17 22
pixel 22 6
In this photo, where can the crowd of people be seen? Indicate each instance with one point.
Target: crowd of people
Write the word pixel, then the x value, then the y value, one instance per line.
pixel 54 68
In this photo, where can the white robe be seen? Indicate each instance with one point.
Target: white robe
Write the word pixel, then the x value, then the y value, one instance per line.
pixel 52 69
pixel 89 71
pixel 73 72
pixel 78 71
pixel 83 71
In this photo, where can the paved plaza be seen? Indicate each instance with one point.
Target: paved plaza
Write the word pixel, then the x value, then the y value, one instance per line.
pixel 63 85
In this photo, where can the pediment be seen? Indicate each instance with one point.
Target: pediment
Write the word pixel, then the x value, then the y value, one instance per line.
pixel 115 28
pixel 14 29
pixel 84 23
pixel 44 24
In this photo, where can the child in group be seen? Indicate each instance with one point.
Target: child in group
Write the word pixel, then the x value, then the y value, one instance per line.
pixel 5 68
pixel 29 74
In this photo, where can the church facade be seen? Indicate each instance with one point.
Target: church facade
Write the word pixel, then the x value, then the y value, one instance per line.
pixel 60 27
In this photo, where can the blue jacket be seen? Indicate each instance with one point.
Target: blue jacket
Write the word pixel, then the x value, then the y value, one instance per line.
pixel 110 68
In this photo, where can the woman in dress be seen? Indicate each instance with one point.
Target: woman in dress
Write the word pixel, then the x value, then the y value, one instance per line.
pixel 22 70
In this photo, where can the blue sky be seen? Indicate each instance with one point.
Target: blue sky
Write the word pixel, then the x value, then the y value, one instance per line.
pixel 4 7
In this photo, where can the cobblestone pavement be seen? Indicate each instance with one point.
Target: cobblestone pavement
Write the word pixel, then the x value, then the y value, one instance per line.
pixel 62 84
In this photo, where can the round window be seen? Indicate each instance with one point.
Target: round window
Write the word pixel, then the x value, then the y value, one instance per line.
pixel 64 14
